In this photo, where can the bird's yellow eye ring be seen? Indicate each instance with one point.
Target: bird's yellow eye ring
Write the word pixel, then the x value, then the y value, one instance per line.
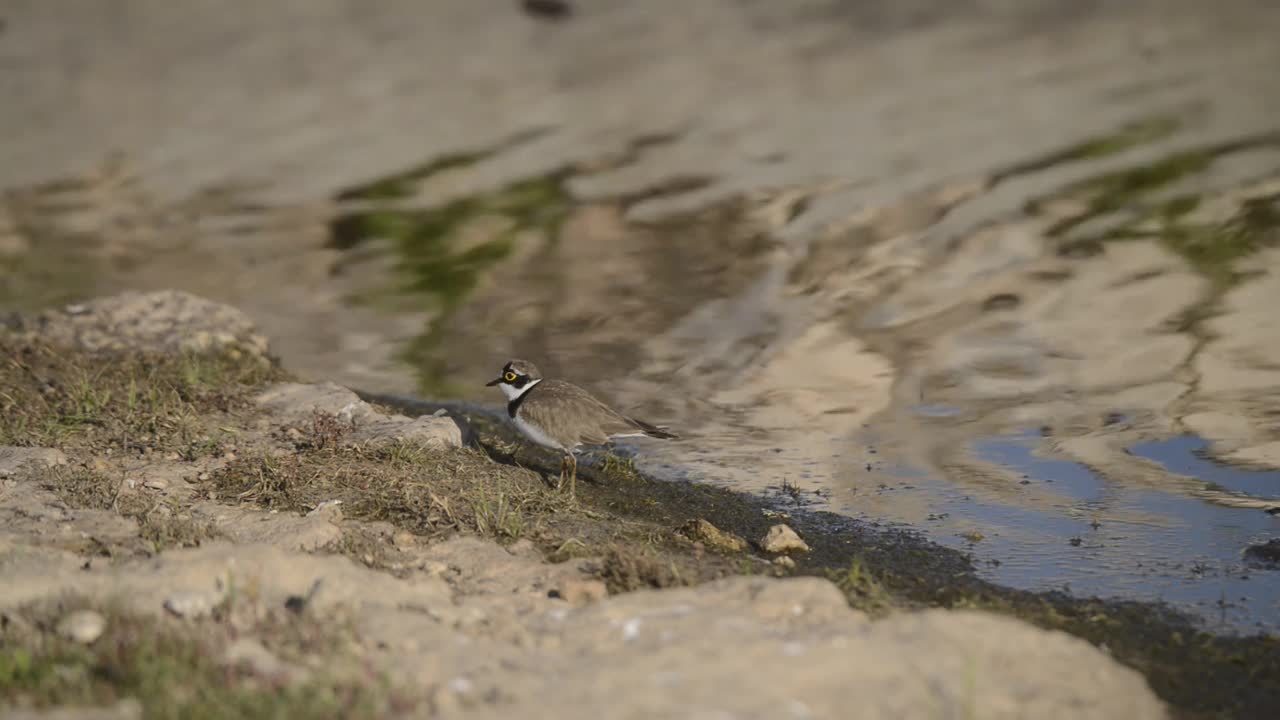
pixel 509 376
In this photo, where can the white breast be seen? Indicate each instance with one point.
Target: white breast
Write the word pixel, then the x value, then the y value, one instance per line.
pixel 535 434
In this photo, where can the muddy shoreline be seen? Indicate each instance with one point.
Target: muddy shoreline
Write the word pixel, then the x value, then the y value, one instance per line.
pixel 1201 674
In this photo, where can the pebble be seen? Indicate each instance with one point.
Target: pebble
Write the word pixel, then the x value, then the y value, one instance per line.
pixel 781 538
pixel 713 537
pixel 156 484
pixel 524 548
pixel 331 509
pixel 434 567
pixel 191 603
pixel 581 592
pixel 82 626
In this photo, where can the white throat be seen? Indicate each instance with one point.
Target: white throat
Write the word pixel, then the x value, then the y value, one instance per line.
pixel 514 392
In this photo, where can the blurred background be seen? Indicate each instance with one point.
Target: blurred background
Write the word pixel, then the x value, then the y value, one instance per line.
pixel 1004 272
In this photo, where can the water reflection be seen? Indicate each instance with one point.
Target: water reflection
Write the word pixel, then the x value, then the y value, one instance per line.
pixel 1185 455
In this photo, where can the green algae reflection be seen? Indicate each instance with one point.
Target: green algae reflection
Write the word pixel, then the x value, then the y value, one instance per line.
pixel 1211 248
pixel 432 261
pixel 1129 136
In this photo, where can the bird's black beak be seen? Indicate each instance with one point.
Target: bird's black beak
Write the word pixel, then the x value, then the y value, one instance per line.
pixel 493 382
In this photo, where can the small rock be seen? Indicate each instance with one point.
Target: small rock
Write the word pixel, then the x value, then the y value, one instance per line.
pixel 296 404
pixel 581 592
pixel 524 547
pixel 331 509
pixel 192 604
pixel 163 321
pixel 781 538
pixel 156 484
pixel 404 539
pixel 1265 554
pixel 426 431
pixel 784 562
pixel 712 537
pixel 82 626
pixel 434 567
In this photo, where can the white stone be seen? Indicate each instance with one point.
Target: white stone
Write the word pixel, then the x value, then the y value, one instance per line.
pixel 781 538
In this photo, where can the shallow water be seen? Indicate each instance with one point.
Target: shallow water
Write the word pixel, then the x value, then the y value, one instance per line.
pixel 1173 548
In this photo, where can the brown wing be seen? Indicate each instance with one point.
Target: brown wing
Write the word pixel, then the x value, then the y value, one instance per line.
pixel 571 415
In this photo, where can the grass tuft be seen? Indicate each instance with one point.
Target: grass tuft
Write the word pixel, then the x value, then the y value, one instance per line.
pixel 625 570
pixel 864 589
pixel 427 491
pixel 54 397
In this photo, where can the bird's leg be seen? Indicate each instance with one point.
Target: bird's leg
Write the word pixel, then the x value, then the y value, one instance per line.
pixel 568 466
pixel 571 464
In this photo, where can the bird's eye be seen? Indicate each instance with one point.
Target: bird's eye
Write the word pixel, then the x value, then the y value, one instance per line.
pixel 509 377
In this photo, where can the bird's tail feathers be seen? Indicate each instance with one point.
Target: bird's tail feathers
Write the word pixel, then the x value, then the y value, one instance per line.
pixel 654 430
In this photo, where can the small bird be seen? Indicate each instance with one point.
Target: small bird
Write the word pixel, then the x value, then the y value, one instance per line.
pixel 561 416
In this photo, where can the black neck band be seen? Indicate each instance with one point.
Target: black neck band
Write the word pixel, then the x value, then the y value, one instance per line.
pixel 513 406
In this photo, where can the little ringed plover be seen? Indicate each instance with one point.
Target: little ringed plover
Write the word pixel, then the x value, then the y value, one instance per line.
pixel 561 416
